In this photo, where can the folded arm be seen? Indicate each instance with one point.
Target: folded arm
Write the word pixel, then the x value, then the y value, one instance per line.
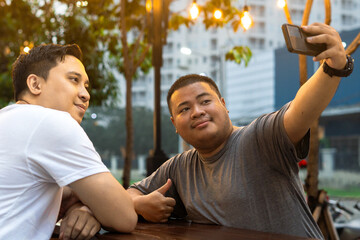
pixel 314 96
pixel 78 223
pixel 107 200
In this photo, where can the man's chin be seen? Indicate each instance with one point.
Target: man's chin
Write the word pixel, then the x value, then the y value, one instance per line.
pixel 202 138
pixel 78 118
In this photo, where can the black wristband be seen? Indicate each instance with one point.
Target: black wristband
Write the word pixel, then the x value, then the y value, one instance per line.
pixel 340 73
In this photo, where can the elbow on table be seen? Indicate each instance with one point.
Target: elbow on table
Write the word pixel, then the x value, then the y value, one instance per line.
pixel 126 224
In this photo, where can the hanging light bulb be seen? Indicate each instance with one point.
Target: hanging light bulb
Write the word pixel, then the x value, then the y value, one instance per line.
pixel 194 10
pixel 217 14
pixel 26 49
pixel 281 3
pixel 246 20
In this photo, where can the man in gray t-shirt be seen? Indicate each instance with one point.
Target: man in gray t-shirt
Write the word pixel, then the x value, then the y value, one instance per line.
pixel 240 177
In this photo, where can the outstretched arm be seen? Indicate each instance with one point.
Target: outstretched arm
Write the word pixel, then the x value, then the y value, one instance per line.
pixel 314 96
pixel 154 207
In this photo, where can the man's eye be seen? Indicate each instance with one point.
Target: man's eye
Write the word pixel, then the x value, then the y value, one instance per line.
pixel 184 109
pixel 206 101
pixel 75 79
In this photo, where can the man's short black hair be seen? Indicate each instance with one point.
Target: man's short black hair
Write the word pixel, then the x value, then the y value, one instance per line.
pixel 39 61
pixel 187 80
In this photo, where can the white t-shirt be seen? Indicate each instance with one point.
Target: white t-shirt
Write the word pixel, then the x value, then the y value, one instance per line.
pixel 41 150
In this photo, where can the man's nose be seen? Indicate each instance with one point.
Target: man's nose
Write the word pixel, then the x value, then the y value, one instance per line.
pixel 197 111
pixel 84 94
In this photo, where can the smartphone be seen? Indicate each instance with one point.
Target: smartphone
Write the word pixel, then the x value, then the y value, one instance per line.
pixel 295 39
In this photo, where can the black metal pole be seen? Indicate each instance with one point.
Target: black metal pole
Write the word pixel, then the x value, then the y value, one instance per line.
pixel 157 156
pixel 157 109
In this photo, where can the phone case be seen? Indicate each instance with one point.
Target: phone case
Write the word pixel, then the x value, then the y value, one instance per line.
pixel 296 42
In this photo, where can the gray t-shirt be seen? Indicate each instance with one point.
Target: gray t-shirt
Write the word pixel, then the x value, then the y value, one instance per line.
pixel 252 183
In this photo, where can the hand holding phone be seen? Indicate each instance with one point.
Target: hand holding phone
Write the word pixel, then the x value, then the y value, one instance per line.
pixel 295 39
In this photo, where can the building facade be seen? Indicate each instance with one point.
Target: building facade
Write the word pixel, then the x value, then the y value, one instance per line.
pixel 209 46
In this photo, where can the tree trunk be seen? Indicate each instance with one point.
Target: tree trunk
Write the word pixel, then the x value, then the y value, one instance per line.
pixel 128 78
pixel 129 135
pixel 311 182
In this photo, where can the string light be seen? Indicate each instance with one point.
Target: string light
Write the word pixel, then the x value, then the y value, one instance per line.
pixel 194 10
pixel 246 20
pixel 218 14
pixel 26 49
pixel 281 3
pixel 81 3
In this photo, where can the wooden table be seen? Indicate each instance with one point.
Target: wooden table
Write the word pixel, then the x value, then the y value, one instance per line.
pixel 176 230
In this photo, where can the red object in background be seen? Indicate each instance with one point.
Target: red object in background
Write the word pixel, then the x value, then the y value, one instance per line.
pixel 303 163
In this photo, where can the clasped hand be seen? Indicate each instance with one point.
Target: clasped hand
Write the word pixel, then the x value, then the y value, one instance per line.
pixel 78 222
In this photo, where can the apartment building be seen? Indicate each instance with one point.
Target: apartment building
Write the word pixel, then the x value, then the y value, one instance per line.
pixel 209 46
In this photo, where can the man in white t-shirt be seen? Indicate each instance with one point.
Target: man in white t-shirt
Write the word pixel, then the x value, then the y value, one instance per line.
pixel 49 168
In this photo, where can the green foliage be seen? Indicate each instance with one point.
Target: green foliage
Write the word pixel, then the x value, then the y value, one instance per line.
pixel 231 15
pixel 239 54
pixel 95 28
pixel 177 20
pixel 18 26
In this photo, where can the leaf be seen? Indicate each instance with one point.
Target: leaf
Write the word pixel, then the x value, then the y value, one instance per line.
pixel 239 54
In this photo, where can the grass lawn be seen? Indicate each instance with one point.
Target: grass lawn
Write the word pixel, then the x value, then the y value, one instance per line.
pixel 344 193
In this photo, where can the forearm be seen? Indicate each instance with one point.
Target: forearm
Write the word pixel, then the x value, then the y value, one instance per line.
pixel 310 101
pixel 136 197
pixel 317 92
pixel 108 200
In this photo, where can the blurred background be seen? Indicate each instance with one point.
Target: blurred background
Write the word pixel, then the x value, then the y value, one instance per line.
pixel 266 78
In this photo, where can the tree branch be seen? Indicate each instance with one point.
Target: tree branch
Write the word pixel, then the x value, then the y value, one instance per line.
pixel 307 10
pixel 287 13
pixel 137 43
pixel 142 57
pixel 123 38
pixel 327 12
pixel 354 45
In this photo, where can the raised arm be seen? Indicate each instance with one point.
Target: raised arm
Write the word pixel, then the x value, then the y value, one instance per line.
pixel 108 200
pixel 154 207
pixel 314 96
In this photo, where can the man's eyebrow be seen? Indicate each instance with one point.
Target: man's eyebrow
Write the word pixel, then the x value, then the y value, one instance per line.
pixel 75 73
pixel 197 97
pixel 202 95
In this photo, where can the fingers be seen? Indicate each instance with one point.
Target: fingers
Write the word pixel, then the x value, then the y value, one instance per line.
pixel 157 208
pixel 89 230
pixel 334 54
pixel 164 216
pixel 80 225
pixel 170 201
pixel 66 226
pixel 165 187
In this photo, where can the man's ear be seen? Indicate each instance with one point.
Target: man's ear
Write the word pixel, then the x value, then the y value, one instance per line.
pixel 223 103
pixel 34 84
pixel 172 120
